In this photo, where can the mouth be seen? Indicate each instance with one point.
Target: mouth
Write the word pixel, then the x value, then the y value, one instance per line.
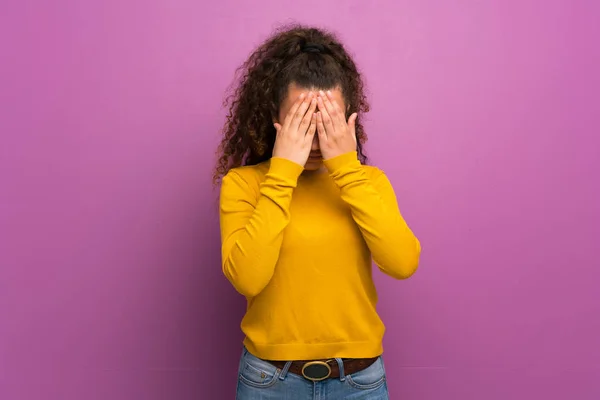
pixel 315 156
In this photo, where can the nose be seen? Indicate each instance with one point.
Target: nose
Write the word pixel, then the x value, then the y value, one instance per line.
pixel 315 144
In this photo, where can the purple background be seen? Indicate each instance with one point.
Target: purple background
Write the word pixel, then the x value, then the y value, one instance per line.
pixel 485 116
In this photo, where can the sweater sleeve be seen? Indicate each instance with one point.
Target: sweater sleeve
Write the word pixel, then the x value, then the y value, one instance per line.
pixel 252 226
pixel 374 207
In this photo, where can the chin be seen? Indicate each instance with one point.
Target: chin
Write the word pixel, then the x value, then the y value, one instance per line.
pixel 313 166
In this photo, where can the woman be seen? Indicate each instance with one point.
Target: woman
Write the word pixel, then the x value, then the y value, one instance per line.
pixel 302 218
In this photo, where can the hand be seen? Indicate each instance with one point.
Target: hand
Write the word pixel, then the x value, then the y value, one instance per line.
pixel 294 138
pixel 336 136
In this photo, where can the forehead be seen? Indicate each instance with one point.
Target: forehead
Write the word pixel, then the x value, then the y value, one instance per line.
pixel 294 91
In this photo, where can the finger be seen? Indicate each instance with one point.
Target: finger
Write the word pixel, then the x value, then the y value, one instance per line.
pixel 301 112
pixel 293 110
pixel 339 113
pixel 277 127
pixel 312 128
pixel 333 114
pixel 321 129
pixel 306 120
pixel 352 124
pixel 327 121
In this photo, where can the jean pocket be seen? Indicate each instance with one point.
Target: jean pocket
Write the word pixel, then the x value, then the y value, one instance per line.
pixel 369 378
pixel 256 372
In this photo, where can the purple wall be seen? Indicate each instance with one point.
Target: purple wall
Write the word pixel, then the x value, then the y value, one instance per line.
pixel 485 116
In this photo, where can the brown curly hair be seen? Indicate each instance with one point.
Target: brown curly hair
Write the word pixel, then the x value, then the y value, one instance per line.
pixel 262 84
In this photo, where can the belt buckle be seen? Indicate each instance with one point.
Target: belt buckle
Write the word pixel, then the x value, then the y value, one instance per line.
pixel 316 371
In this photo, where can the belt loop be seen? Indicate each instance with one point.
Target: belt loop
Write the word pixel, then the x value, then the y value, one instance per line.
pixel 340 363
pixel 285 370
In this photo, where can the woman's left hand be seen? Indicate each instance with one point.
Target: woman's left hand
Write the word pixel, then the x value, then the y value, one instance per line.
pixel 336 136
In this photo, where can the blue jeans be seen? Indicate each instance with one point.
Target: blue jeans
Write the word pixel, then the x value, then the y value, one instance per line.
pixel 260 380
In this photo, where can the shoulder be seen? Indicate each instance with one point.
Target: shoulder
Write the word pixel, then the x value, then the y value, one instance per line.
pixel 373 172
pixel 251 174
pixel 246 179
pixel 377 177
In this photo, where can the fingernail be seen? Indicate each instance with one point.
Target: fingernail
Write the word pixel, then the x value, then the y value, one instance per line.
pixel 329 93
pixel 302 95
pixel 321 93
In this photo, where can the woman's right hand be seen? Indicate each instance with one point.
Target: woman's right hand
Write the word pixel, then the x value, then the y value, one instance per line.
pixel 294 138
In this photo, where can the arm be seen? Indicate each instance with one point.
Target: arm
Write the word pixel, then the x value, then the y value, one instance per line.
pixel 372 201
pixel 252 229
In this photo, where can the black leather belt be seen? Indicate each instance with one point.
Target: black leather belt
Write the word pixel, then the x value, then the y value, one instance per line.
pixel 319 370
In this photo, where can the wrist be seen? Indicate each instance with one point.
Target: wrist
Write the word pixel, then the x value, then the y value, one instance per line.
pixel 285 168
pixel 343 160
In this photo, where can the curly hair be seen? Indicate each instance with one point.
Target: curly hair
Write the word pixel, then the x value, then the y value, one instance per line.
pixel 262 83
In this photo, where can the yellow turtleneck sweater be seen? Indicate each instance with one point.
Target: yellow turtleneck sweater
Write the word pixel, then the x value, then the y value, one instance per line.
pixel 299 244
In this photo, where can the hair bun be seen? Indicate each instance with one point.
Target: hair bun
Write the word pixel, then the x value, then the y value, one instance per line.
pixel 313 48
